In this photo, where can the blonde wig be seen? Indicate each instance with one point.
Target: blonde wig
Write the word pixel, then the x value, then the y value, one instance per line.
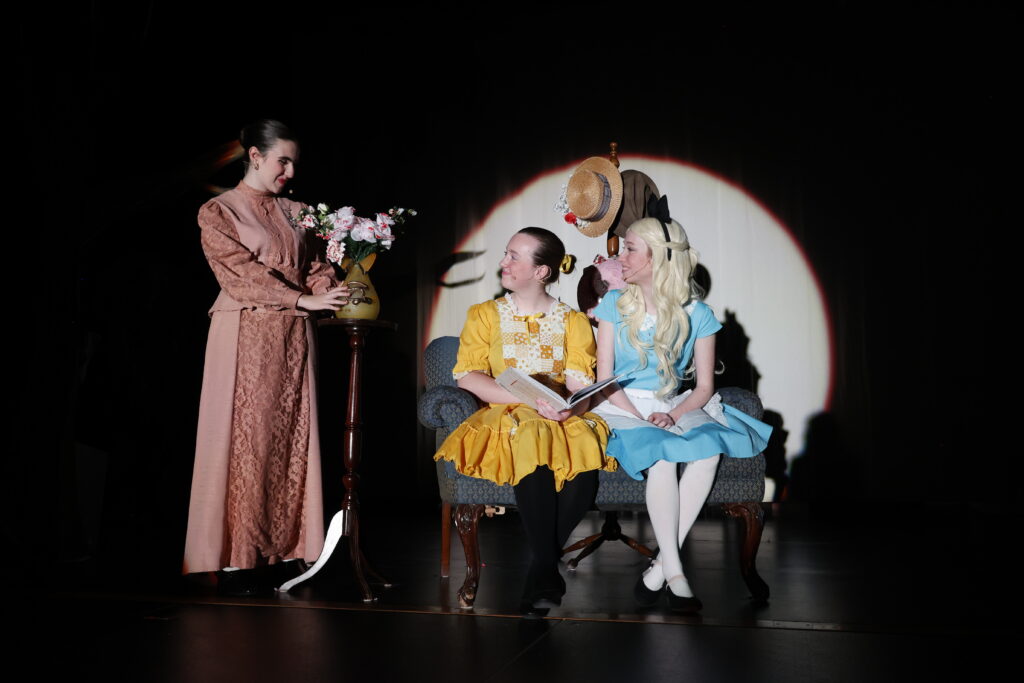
pixel 673 288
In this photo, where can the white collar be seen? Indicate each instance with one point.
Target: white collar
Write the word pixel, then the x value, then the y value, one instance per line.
pixel 515 309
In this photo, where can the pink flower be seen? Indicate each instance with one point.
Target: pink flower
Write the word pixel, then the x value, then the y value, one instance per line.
pixel 308 222
pixel 335 251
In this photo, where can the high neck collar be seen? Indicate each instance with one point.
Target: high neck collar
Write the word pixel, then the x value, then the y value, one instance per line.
pixel 253 192
pixel 516 311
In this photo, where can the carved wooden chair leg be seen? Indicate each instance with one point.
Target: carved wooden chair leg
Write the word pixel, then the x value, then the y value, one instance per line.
pixel 610 531
pixel 583 543
pixel 574 562
pixel 446 537
pixel 467 518
pixel 752 515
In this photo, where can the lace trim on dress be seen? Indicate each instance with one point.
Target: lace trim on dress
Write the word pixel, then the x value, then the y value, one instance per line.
pixel 581 377
pixel 515 309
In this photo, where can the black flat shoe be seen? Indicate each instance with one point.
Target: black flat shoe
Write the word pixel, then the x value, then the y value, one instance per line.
pixel 643 595
pixel 547 599
pixel 242 583
pixel 684 605
pixel 531 611
pixel 544 590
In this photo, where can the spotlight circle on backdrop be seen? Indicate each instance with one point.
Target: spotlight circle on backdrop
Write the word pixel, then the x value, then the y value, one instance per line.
pixel 758 272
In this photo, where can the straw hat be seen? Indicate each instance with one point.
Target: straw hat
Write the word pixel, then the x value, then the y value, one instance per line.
pixel 594 194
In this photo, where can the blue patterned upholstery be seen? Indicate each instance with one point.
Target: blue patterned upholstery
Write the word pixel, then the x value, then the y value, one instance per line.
pixel 438 361
pixel 444 406
pixel 740 480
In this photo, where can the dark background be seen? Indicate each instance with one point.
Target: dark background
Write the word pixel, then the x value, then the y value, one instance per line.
pixel 887 141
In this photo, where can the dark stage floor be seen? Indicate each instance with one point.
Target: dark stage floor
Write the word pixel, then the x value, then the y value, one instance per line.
pixel 888 599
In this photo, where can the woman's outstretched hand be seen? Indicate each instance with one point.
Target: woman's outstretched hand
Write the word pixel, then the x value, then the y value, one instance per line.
pixel 663 420
pixel 549 413
pixel 331 300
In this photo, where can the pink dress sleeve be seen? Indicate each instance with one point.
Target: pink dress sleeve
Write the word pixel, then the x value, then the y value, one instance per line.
pixel 321 277
pixel 240 275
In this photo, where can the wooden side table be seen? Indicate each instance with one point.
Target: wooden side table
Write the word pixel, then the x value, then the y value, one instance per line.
pixel 345 522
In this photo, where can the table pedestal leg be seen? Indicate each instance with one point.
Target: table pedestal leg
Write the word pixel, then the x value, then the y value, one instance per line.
pixel 346 521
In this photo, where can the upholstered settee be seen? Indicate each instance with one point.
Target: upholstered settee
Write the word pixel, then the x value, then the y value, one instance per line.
pixel 738 487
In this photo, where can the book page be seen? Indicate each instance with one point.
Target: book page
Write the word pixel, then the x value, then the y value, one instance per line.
pixel 528 390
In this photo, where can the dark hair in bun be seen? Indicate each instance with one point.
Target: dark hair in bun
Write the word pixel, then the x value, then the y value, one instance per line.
pixel 262 134
pixel 550 253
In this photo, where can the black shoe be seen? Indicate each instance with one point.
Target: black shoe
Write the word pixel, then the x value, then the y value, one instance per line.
pixel 241 583
pixel 530 611
pixel 643 595
pixel 684 605
pixel 544 589
pixel 547 599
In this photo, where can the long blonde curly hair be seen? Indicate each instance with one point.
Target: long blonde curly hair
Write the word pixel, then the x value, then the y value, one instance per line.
pixel 673 289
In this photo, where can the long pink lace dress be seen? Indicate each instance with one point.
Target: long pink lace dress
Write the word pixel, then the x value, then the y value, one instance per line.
pixel 256 489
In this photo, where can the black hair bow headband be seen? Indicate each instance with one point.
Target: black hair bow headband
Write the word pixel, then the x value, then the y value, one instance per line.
pixel 658 208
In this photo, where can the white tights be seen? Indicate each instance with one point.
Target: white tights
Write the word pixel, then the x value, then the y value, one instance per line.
pixel 673 505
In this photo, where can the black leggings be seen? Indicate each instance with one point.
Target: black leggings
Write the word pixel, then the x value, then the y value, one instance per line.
pixel 550 516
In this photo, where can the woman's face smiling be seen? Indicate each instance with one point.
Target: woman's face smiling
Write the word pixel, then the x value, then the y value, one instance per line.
pixel 517 269
pixel 636 260
pixel 276 167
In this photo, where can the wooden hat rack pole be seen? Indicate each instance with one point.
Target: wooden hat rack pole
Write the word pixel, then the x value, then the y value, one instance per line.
pixel 613 239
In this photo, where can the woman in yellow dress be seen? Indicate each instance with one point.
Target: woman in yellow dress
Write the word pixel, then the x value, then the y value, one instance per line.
pixel 550 457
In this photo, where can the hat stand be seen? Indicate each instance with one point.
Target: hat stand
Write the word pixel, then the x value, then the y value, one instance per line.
pixel 613 239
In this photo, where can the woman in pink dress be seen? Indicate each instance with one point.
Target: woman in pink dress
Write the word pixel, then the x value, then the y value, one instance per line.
pixel 256 491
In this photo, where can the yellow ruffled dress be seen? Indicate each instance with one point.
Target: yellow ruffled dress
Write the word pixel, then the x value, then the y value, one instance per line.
pixel 505 442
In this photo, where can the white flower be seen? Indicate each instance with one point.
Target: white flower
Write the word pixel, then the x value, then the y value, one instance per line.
pixel 308 222
pixel 384 223
pixel 322 208
pixel 363 230
pixel 342 219
pixel 339 234
pixel 382 229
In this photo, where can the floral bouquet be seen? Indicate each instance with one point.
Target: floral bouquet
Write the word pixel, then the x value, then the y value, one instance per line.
pixel 350 237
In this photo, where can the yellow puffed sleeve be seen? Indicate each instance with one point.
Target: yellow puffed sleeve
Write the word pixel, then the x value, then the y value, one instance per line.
pixel 474 342
pixel 580 348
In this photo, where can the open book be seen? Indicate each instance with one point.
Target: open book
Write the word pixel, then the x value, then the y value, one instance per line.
pixel 529 390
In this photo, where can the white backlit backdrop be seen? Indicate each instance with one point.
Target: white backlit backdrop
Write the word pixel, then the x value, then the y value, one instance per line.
pixel 758 272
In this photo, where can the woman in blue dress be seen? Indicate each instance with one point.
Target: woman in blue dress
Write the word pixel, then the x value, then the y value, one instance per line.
pixel 655 333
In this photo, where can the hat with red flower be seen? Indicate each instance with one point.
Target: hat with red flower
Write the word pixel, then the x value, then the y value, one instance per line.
pixel 593 196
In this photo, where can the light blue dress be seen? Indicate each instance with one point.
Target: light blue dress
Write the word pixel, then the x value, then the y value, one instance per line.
pixel 698 434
